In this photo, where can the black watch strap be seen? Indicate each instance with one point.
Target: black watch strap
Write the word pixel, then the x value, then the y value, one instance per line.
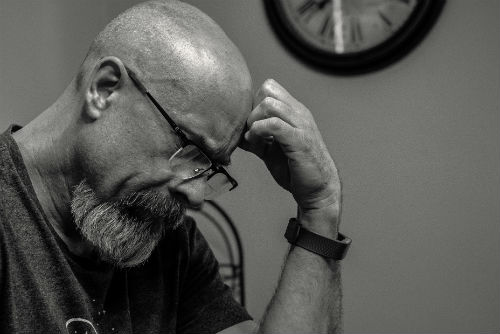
pixel 332 249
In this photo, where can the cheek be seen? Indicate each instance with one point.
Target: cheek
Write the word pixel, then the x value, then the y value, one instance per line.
pixel 105 167
pixel 124 150
pixel 108 157
pixel 115 168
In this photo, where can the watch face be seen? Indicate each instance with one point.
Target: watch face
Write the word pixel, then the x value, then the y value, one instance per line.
pixel 352 36
pixel 346 26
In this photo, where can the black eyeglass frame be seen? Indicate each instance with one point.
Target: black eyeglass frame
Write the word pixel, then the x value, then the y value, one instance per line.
pixel 214 167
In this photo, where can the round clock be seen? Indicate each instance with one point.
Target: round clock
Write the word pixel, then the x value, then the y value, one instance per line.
pixel 352 36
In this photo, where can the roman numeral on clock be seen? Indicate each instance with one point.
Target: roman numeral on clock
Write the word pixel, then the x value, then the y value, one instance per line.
pixel 326 29
pixel 356 32
pixel 385 19
pixel 310 7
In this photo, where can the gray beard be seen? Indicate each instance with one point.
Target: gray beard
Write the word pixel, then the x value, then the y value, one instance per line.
pixel 125 232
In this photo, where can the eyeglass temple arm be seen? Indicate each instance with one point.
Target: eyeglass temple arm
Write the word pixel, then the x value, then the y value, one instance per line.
pixel 233 182
pixel 157 105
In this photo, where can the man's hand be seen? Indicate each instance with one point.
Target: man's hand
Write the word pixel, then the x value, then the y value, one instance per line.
pixel 282 132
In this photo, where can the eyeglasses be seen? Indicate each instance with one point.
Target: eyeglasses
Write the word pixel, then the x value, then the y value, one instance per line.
pixel 190 161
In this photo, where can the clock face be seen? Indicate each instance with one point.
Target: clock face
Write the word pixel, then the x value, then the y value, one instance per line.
pixel 352 36
pixel 346 26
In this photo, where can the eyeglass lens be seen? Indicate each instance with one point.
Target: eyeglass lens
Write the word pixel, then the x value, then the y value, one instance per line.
pixel 190 162
pixel 217 183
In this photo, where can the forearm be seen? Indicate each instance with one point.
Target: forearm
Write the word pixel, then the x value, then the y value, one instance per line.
pixel 309 294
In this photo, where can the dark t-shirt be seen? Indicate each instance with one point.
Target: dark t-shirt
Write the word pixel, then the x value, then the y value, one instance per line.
pixel 46 289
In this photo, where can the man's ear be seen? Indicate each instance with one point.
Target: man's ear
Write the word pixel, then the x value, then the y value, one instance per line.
pixel 106 79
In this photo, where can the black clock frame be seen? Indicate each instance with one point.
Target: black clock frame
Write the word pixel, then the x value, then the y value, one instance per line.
pixel 394 48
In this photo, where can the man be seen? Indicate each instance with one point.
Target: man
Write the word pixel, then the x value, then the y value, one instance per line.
pixel 93 237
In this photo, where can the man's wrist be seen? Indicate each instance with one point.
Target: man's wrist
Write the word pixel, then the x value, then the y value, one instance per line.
pixel 335 249
pixel 324 221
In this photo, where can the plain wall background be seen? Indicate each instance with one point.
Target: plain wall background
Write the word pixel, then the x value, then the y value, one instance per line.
pixel 417 145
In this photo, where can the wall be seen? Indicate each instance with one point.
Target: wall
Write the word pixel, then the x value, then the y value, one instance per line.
pixel 417 145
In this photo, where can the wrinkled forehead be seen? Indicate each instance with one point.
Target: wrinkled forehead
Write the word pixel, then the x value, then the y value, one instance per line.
pixel 207 90
pixel 217 132
pixel 214 119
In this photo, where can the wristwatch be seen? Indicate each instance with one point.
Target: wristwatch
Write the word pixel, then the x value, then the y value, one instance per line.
pixel 328 248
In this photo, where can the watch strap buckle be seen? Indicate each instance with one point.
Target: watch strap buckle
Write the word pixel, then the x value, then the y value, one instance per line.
pixel 292 230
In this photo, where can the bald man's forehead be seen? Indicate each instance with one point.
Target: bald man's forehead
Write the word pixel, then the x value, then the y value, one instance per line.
pixel 215 132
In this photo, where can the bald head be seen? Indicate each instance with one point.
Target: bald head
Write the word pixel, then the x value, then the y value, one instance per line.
pixel 169 43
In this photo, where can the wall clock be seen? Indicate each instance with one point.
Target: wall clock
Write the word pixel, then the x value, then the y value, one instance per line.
pixel 352 36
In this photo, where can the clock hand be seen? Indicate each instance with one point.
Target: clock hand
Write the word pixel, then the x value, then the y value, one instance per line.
pixel 338 27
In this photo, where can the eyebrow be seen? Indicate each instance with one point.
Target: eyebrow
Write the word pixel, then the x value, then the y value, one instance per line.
pixel 219 159
pixel 215 155
pixel 225 162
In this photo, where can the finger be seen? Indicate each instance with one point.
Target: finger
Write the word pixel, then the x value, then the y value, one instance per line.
pixel 270 107
pixel 255 144
pixel 271 88
pixel 281 131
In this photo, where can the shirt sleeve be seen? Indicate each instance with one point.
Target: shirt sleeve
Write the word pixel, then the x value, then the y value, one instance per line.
pixel 206 304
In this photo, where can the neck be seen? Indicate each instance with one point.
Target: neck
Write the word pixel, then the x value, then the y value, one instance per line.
pixel 46 145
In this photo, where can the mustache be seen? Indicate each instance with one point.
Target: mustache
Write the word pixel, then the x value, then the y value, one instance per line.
pixel 154 203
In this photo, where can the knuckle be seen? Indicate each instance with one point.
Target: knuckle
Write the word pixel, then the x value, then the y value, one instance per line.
pixel 269 103
pixel 310 125
pixel 272 107
pixel 303 110
pixel 268 85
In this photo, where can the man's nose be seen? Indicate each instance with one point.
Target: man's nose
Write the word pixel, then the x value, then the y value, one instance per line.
pixel 191 192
